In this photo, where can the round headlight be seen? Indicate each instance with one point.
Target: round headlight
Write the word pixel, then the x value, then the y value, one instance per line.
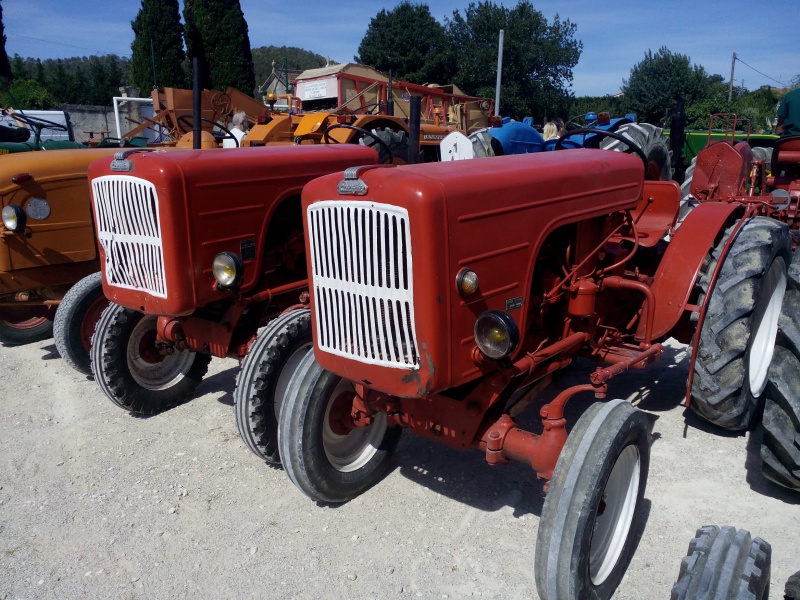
pixel 14 218
pixel 227 269
pixel 467 282
pixel 496 334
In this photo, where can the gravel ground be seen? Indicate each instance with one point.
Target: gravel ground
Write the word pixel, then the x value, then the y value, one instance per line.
pixel 95 503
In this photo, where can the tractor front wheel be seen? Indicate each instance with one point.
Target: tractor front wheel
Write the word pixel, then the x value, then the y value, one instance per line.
pixel 737 337
pixel 76 319
pixel 724 563
pixel 587 535
pixel 323 452
pixel 133 371
pixel 264 379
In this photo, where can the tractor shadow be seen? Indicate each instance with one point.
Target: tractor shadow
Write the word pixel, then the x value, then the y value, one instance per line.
pixel 466 476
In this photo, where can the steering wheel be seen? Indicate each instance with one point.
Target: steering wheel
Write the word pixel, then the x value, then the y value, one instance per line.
pixel 37 123
pixel 369 109
pixel 221 103
pixel 384 146
pixel 632 147
pixel 189 120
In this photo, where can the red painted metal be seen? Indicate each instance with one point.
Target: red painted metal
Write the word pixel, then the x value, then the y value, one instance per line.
pixel 212 201
pixel 492 217
pixel 680 266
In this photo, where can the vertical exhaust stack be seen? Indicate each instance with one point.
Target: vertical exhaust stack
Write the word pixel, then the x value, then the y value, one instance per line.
pixel 413 130
pixel 197 100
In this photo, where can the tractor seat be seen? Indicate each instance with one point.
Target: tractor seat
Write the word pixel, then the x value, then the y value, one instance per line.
pixel 786 155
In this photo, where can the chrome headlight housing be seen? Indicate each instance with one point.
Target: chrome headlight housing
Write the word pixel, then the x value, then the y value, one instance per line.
pixel 227 269
pixel 496 334
pixel 14 218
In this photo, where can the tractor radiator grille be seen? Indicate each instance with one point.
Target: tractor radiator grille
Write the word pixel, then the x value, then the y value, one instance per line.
pixel 129 231
pixel 362 278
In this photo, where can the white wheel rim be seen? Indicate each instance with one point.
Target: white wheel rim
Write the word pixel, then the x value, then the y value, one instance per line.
pixel 285 377
pixel 350 452
pixel 611 528
pixel 155 376
pixel 765 323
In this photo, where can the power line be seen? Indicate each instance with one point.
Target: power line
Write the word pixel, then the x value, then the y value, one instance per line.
pixel 63 44
pixel 736 56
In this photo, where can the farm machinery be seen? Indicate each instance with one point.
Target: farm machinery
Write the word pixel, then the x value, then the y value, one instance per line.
pixel 567 259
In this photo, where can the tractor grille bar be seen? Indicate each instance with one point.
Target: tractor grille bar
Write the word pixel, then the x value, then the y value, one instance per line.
pixel 363 284
pixel 129 230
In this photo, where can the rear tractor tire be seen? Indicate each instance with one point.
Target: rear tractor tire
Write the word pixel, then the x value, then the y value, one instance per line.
pixel 724 563
pixel 329 460
pixel 652 143
pixel 587 534
pixel 780 446
pixel 76 319
pixel 736 340
pixel 264 380
pixel 133 372
pixel 396 141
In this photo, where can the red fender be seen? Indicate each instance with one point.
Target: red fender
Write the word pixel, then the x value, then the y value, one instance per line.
pixel 678 271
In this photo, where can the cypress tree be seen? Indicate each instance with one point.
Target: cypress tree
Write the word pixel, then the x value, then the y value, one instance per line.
pixel 158 45
pixel 5 66
pixel 217 33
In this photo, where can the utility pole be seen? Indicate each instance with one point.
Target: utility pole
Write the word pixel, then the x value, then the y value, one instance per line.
pixel 499 73
pixel 730 87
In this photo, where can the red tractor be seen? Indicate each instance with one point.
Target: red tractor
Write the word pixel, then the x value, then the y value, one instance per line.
pixel 198 250
pixel 726 171
pixel 445 297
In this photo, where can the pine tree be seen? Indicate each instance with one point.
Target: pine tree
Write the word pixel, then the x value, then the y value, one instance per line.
pixel 217 33
pixel 157 49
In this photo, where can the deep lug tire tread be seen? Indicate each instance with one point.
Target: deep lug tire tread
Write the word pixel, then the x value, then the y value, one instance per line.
pixel 724 564
pixel 652 142
pixel 300 440
pixel 255 388
pixel 720 393
pixel 69 320
pixel 568 516
pixel 397 141
pixel 111 371
pixel 780 446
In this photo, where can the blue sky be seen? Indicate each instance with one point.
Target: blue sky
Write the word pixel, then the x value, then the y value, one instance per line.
pixel 615 33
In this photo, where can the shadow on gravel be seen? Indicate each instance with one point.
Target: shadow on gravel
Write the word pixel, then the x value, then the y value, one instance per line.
pixel 52 352
pixel 224 381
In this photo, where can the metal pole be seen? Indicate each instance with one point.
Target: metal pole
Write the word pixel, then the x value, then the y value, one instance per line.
pixel 730 87
pixel 413 129
pixel 390 99
pixel 197 100
pixel 499 74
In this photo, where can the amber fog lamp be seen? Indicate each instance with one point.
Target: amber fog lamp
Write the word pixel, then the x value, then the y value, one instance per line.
pixel 496 334
pixel 14 218
pixel 467 282
pixel 227 269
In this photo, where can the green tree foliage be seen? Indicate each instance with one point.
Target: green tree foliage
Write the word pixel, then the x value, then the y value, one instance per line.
pixel 217 33
pixel 656 82
pixel 585 104
pixel 296 59
pixel 408 41
pixel 5 66
pixel 27 94
pixel 158 46
pixel 537 57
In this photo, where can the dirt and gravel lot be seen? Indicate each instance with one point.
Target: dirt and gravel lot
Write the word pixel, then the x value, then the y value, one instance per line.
pixel 95 503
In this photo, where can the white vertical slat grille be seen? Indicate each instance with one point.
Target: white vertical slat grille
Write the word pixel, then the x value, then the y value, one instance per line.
pixel 363 283
pixel 129 230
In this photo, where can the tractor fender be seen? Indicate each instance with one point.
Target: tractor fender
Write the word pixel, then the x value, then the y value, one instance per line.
pixel 676 275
